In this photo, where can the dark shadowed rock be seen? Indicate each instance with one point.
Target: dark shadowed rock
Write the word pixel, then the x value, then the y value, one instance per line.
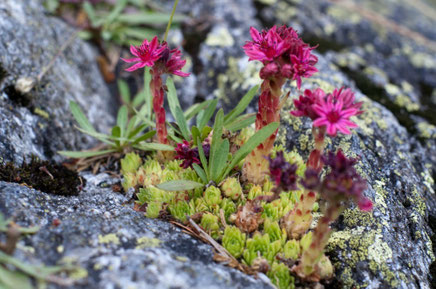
pixel 39 122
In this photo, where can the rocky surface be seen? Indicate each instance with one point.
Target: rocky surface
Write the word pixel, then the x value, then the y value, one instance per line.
pixel 39 122
pixel 114 246
pixel 391 72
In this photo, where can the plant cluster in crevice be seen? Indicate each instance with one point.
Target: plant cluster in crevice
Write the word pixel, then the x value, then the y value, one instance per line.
pixel 45 176
pixel 228 181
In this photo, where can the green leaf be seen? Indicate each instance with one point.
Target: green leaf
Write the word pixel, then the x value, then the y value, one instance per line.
pixel 116 11
pixel 124 90
pixel 241 122
pixel 195 134
pixel 200 172
pixel 250 145
pixel 206 116
pixel 13 280
pixel 179 185
pixel 216 138
pixel 147 92
pixel 80 117
pixel 144 118
pixel 138 33
pixel 218 163
pixel 144 137
pixel 176 110
pixel 85 154
pixel 242 105
pixel 90 12
pixel 137 130
pixel 122 118
pixel 148 18
pixel 101 137
pixel 196 108
pixel 154 147
pixel 116 133
pixel 203 159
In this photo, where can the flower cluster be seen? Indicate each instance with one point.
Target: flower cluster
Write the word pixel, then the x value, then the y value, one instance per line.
pixel 156 55
pixel 332 111
pixel 343 181
pixel 283 173
pixel 282 52
pixel 190 155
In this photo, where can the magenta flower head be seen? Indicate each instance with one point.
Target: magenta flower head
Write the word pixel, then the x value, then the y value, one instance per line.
pixel 304 105
pixel 335 111
pixel 145 54
pixel 157 55
pixel 190 155
pixel 283 173
pixel 282 52
pixel 343 182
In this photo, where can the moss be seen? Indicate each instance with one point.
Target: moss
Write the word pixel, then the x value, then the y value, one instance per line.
pixel 45 176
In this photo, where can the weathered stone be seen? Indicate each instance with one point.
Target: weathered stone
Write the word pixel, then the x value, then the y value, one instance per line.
pixel 39 122
pixel 116 246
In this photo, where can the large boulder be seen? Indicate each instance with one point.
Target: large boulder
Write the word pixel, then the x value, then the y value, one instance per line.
pixel 114 246
pixel 40 122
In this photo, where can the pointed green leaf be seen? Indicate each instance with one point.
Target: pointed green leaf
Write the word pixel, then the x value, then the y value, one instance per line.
pixel 80 117
pixel 13 280
pixel 176 110
pixel 216 138
pixel 195 134
pixel 149 18
pixel 219 161
pixel 124 90
pixel 144 137
pixel 251 144
pixel 204 118
pixel 203 159
pixel 154 147
pixel 241 122
pixel 196 108
pixel 179 185
pixel 200 172
pixel 85 154
pixel 242 105
pixel 122 119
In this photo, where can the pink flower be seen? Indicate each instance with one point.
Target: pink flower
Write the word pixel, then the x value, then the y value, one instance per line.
pixel 335 111
pixel 158 56
pixel 146 54
pixel 304 104
pixel 266 45
pixel 174 64
pixel 303 64
pixel 292 58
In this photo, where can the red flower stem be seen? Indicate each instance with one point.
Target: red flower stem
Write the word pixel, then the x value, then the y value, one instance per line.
pixel 159 111
pixel 269 111
pixel 320 239
pixel 314 160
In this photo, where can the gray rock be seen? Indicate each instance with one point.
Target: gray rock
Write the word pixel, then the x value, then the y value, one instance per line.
pixel 40 123
pixel 118 247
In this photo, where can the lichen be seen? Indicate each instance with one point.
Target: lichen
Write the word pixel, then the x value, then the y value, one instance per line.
pixel 109 239
pixel 146 242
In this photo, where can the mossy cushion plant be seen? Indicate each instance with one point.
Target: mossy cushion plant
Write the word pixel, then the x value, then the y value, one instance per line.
pixel 228 179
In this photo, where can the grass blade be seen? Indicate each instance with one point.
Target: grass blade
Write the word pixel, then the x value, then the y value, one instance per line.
pixel 241 122
pixel 200 172
pixel 80 117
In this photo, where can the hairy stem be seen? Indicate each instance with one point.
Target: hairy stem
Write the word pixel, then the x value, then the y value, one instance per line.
pixel 314 160
pixel 158 101
pixel 269 111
